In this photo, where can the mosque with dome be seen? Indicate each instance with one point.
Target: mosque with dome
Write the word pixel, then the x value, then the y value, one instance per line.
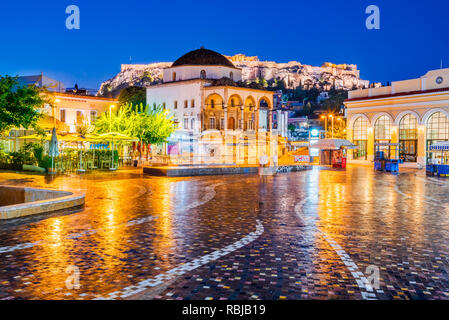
pixel 204 94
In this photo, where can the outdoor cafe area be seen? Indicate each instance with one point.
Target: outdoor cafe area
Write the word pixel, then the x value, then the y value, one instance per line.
pixel 79 153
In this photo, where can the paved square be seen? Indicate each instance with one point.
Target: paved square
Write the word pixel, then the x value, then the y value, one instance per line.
pixel 317 234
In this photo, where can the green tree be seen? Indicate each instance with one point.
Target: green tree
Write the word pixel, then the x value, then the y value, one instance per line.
pixel 150 125
pixel 19 105
pixel 133 95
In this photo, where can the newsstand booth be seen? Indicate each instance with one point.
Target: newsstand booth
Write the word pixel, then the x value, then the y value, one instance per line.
pixel 438 160
pixel 387 157
pixel 333 152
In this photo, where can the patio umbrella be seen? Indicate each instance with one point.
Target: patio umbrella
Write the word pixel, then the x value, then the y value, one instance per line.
pixel 116 136
pixel 333 144
pixel 53 150
pixel 48 137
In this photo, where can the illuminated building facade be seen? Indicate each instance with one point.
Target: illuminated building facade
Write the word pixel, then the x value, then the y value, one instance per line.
pixel 413 113
pixel 204 93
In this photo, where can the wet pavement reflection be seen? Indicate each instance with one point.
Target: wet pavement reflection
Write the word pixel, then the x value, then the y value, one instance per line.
pixel 320 233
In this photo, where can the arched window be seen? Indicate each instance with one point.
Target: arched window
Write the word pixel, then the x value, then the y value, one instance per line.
pixel 438 127
pixel 212 103
pixel 232 103
pixel 203 74
pixel 174 76
pixel 175 105
pixel 382 129
pixel 382 133
pixel 360 137
pixel 408 137
pixel 186 104
pixel 192 103
pixel 437 130
pixel 192 124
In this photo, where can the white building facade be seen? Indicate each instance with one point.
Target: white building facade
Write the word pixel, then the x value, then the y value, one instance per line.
pixel 204 94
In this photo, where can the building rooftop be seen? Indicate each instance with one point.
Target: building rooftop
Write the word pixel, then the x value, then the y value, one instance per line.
pixel 203 57
pixel 432 81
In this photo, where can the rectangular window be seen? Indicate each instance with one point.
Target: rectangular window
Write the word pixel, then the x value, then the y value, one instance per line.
pixel 186 104
pixel 192 103
pixel 222 124
pixel 186 123
pixel 211 123
pixel 62 115
pixel 79 117
pixel 93 116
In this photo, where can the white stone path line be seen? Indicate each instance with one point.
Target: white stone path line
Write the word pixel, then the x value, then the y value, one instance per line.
pixel 363 284
pixel 185 267
pixel 210 194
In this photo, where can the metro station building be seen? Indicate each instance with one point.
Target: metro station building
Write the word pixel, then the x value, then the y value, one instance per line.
pixel 413 113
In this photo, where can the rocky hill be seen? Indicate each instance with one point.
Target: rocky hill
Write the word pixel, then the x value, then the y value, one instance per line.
pixel 294 74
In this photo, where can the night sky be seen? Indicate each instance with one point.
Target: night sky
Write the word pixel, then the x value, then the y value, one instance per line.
pixel 413 37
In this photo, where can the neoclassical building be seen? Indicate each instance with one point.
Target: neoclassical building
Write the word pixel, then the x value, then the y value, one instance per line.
pixel 202 91
pixel 413 113
pixel 220 118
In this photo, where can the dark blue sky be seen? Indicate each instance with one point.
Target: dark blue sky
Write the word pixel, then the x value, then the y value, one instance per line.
pixel 413 37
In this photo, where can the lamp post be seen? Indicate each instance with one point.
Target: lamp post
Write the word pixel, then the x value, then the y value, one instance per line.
pixel 112 106
pixel 325 125
pixel 339 119
pixel 332 118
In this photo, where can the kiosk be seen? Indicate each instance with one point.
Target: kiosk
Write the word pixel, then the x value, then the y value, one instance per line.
pixel 438 160
pixel 333 152
pixel 387 157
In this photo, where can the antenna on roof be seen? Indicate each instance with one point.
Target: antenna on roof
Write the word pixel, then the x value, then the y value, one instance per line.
pixel 202 47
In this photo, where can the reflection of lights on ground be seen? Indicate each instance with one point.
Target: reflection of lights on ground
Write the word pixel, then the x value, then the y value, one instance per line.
pixel 135 239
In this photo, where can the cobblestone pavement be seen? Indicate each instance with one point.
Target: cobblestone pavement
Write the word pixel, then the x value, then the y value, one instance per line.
pixel 307 235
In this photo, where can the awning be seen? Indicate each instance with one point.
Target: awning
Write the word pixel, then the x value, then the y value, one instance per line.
pixel 333 144
pixel 440 146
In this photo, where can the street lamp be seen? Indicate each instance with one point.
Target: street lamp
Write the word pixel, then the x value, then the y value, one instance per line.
pixel 332 117
pixel 325 124
pixel 112 106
